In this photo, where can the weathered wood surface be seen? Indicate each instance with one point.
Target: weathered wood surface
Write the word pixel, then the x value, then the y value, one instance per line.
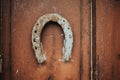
pixel 19 57
pixel 108 39
pixel 18 19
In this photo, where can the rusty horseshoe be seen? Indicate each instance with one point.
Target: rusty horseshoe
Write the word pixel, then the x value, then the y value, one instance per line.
pixel 37 29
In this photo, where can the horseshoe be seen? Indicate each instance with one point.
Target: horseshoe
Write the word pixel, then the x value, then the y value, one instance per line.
pixel 37 29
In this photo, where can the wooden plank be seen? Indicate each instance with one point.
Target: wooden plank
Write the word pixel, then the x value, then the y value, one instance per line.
pixel 108 39
pixel 85 40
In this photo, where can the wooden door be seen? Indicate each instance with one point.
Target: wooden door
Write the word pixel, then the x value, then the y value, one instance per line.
pixel 19 59
pixel 96 40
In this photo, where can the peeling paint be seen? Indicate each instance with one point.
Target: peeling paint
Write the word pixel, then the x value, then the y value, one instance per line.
pixel 37 29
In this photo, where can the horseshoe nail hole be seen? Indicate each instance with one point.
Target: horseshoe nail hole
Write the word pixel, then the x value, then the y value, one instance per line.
pixel 34 40
pixel 70 37
pixel 35 31
pixel 35 47
pixel 37 24
pixel 63 20
pixel 68 28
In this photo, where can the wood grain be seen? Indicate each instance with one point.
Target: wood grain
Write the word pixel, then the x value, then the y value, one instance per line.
pixel 107 39
pixel 85 40
pixel 18 47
